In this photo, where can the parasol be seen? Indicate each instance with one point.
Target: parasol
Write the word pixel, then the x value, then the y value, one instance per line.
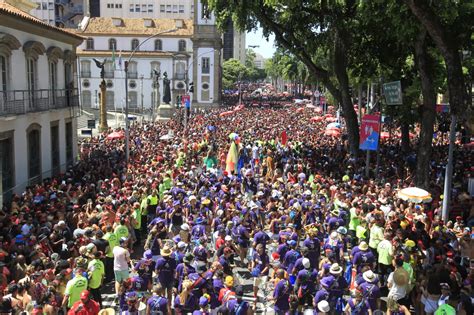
pixel 334 125
pixel 116 135
pixel 332 132
pixel 414 194
pixel 331 119
pixel 299 110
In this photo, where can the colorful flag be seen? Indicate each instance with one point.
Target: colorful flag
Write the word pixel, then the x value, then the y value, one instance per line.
pixel 120 60
pixel 284 138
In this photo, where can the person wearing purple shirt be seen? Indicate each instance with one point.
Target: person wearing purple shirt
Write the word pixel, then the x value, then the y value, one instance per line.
pixel 370 289
pixel 165 268
pixel 291 257
pixel 184 269
pixel 157 303
pixel 282 250
pixel 138 284
pixel 314 250
pixel 299 262
pixel 306 283
pixel 260 237
pixel 144 267
pixel 198 230
pixel 281 294
pixel 260 267
pixel 364 257
pixel 238 306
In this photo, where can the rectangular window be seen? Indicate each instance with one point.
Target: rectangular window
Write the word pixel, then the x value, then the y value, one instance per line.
pixel 175 9
pixel 205 65
pixel 144 8
pixel 50 6
pixel 55 160
pixel 181 8
pixel 162 8
pixel 150 8
pixel 192 8
pixel 119 5
pixel 69 151
pixel 132 8
pixel 137 8
pixel 44 6
pixel 3 73
pixel 168 8
pixel 7 163
pixel 108 5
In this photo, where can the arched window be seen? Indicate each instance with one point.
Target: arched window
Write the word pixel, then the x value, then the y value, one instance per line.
pixel 4 75
pixel 33 134
pixel 133 99
pixel 182 45
pixel 112 44
pixel 158 45
pixel 135 43
pixel 90 43
pixel 154 65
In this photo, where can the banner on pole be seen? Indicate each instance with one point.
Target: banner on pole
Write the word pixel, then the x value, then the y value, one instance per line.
pixel 393 93
pixel 187 101
pixel 369 132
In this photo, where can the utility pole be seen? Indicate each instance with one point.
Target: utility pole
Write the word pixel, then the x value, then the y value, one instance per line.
pixel 448 178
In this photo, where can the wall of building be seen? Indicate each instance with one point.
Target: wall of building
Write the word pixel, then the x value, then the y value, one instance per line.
pixel 124 42
pixel 182 9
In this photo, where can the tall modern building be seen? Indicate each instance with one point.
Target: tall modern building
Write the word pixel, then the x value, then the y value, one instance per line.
pixel 60 13
pixel 233 43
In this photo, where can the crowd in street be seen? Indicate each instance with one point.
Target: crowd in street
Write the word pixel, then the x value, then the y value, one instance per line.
pixel 255 211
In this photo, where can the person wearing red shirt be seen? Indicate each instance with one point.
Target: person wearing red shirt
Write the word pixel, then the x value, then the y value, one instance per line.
pixel 85 306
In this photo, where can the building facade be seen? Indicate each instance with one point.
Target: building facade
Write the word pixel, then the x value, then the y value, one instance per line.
pixel 61 13
pixel 38 99
pixel 114 39
pixel 161 9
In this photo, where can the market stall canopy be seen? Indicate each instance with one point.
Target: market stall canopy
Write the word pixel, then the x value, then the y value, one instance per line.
pixel 414 194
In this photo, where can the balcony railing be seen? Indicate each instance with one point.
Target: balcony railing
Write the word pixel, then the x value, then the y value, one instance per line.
pixel 179 76
pixel 19 102
pixel 109 74
pixel 85 74
pixel 132 74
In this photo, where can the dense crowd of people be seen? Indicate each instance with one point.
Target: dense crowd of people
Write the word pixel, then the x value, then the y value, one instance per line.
pixel 258 210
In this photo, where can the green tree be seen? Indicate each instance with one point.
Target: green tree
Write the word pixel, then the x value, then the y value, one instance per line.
pixel 305 28
pixel 232 71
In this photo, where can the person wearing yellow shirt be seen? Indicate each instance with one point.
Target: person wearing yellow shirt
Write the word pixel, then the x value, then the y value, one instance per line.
pixel 137 221
pixel 74 287
pixel 121 230
pixel 385 252
pixel 109 255
pixel 96 271
pixel 376 236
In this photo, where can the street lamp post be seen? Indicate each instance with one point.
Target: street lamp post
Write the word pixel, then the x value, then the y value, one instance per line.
pixel 156 76
pixel 127 131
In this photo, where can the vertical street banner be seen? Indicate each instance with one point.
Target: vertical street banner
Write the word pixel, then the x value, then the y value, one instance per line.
pixel 369 132
pixel 187 101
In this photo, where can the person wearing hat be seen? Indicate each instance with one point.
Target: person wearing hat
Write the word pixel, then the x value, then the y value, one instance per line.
pixel 357 304
pixel 85 306
pixel 144 267
pixel 121 263
pixel 305 285
pixel 291 256
pixel 74 288
pixel 237 305
pixel 166 270
pixel 203 305
pixel 337 282
pixel 226 293
pixel 397 282
pixel 370 289
pixel 445 292
pixel 322 308
pixel 158 303
pixel 334 244
pixel 96 272
pixel 364 257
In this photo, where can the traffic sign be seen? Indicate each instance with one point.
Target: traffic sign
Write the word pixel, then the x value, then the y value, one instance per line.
pixel 187 101
pixel 91 123
pixel 369 132
pixel 393 93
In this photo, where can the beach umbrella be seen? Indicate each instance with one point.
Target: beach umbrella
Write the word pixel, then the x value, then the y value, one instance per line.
pixel 223 114
pixel 333 125
pixel 414 194
pixel 331 119
pixel 116 135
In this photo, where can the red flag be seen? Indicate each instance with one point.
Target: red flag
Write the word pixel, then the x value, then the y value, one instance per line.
pixel 284 138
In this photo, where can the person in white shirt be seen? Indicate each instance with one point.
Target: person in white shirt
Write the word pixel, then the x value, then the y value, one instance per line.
pixel 397 282
pixel 121 263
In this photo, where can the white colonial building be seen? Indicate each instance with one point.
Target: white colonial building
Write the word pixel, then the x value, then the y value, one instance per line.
pixel 38 99
pixel 170 46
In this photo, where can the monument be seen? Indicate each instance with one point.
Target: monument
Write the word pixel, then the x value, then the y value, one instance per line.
pixel 165 110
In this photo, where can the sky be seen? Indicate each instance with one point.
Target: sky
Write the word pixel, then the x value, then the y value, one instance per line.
pixel 266 48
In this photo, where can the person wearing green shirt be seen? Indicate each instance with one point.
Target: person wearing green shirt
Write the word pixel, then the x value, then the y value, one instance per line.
pixel 121 230
pixel 74 287
pixel 385 252
pixel 96 271
pixel 376 236
pixel 109 255
pixel 360 231
pixel 354 219
pixel 137 221
pixel 447 308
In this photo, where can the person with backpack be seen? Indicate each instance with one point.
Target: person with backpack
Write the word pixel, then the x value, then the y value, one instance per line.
pixel 259 269
pixel 305 286
pixel 238 306
pixel 157 302
pixel 357 305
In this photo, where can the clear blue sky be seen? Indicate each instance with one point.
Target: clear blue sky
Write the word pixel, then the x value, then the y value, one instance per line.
pixel 266 48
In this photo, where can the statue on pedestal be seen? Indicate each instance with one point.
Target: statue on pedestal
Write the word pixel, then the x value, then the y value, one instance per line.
pixel 166 89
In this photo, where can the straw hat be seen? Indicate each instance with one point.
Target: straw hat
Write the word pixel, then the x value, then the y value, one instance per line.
pixel 400 277
pixel 369 276
pixel 335 269
pixel 107 311
pixel 363 246
pixel 166 251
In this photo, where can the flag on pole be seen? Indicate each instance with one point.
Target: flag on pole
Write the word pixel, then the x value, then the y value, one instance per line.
pixel 284 138
pixel 120 60
pixel 113 57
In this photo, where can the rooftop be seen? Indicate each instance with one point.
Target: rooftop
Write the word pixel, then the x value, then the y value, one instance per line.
pixel 138 26
pixel 8 9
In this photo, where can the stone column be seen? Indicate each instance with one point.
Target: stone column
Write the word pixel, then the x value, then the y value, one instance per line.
pixel 103 107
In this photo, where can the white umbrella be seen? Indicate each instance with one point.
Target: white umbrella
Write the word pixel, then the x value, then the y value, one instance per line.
pixel 333 125
pixel 414 194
